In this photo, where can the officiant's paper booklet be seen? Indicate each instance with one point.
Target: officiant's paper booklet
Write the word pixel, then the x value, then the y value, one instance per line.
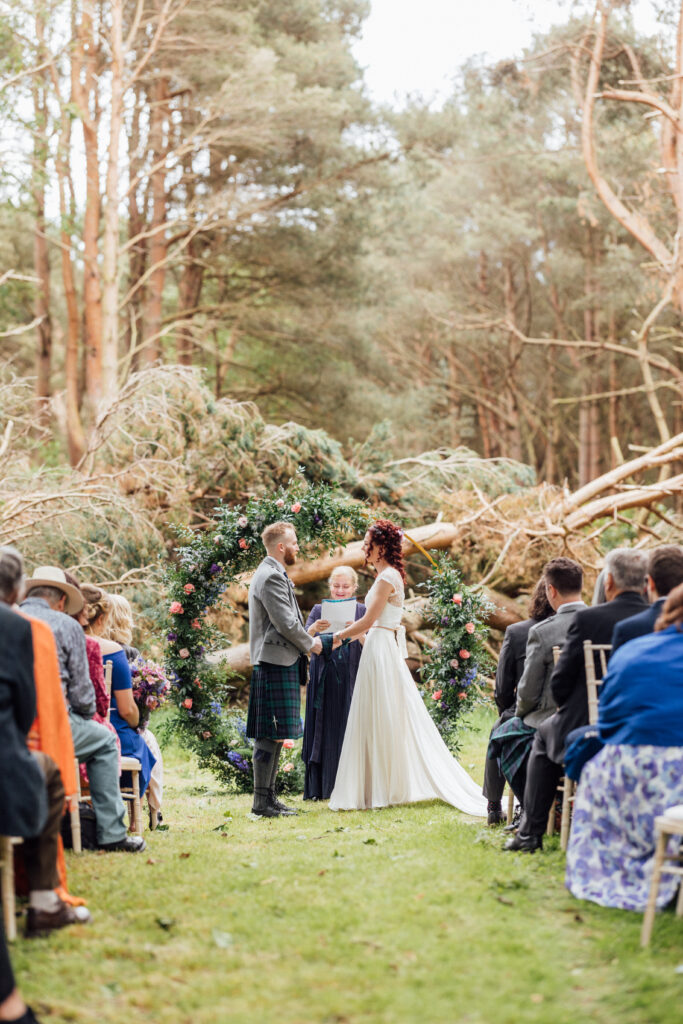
pixel 338 613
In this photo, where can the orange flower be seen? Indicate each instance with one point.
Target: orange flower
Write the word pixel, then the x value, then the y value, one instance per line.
pixel 296 507
pixel 462 695
pixel 288 744
pixel 465 654
pixel 243 544
pixel 189 588
pixel 437 695
pixel 187 703
pixel 288 767
pixel 470 627
pixel 457 599
pixel 196 624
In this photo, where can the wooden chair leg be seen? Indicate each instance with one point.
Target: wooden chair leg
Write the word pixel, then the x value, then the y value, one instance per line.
pixel 137 805
pixel 7 876
pixel 511 806
pixel 153 817
pixel 649 916
pixel 567 794
pixel 75 816
pixel 550 828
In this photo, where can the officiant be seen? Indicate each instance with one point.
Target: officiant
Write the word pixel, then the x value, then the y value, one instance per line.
pixel 332 676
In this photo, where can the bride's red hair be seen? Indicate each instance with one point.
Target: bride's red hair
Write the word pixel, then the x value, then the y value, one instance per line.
pixel 388 539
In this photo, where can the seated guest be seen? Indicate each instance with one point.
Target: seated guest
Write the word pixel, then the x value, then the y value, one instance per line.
pixel 624 582
pixel 535 703
pixel 124 714
pixel 508 673
pixel 332 677
pixel 31 788
pixel 637 774
pixel 119 628
pixel 664 572
pixel 53 600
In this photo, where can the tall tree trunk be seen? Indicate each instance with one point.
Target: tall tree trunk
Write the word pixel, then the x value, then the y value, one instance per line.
pixel 110 239
pixel 137 250
pixel 84 90
pixel 40 252
pixel 158 247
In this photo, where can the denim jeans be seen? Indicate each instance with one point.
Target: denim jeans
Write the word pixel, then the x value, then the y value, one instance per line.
pixel 96 747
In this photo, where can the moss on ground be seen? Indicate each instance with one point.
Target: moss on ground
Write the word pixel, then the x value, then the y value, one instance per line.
pixel 395 916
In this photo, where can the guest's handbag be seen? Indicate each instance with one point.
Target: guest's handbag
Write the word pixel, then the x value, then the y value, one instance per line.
pixel 88 828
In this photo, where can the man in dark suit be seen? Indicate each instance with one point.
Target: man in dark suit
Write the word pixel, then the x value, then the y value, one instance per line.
pixel 508 673
pixel 625 572
pixel 664 572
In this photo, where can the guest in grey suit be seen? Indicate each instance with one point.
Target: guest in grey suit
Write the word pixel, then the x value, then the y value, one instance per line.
pixel 278 645
pixel 664 572
pixel 512 741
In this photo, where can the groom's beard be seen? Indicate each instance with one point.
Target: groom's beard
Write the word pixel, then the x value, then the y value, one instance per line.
pixel 290 557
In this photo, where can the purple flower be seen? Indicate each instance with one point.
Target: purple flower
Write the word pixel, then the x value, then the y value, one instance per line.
pixel 214 569
pixel 317 519
pixel 451 682
pixel 238 761
pixel 171 636
pixel 444 621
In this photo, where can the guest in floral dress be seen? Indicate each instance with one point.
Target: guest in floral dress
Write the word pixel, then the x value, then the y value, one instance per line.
pixel 332 676
pixel 637 774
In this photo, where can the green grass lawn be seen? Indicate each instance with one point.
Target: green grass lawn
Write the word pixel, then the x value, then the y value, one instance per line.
pixel 399 915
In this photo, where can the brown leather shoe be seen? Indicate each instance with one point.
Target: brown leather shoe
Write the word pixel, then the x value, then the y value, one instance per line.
pixel 42 922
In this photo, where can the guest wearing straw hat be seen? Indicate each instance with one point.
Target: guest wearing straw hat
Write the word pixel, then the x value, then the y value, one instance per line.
pixel 53 599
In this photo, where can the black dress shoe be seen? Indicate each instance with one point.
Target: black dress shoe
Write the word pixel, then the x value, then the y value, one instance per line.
pixel 129 844
pixel 494 813
pixel 524 844
pixel 266 812
pixel 284 810
pixel 514 824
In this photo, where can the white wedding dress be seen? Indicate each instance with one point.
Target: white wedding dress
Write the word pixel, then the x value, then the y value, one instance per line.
pixel 392 752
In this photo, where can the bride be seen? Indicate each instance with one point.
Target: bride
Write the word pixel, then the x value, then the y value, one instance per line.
pixel 392 751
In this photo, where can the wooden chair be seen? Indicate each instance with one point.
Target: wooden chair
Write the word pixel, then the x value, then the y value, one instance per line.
pixel 7 881
pixel 593 682
pixel 78 796
pixel 667 825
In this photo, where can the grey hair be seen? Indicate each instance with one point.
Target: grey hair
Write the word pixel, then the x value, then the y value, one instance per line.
pixel 11 573
pixel 627 568
pixel 53 595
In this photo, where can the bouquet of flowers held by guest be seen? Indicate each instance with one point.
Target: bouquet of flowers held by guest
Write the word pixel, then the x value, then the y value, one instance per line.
pixel 150 687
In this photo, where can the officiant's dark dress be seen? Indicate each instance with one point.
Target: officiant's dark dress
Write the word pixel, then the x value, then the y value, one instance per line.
pixel 332 676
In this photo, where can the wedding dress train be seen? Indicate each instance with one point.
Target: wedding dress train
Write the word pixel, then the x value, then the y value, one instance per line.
pixel 392 751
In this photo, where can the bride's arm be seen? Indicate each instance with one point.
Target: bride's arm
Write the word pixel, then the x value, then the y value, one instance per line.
pixel 383 592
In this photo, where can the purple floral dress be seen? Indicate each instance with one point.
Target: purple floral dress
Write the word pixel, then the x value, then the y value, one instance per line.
pixel 611 848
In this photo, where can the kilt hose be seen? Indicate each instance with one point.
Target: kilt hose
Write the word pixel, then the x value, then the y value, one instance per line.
pixel 275 700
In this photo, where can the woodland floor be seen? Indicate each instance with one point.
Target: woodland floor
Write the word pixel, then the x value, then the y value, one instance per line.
pixel 400 915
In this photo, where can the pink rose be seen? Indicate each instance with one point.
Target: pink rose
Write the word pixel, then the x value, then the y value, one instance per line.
pixel 242 521
pixel 280 502
pixel 176 608
pixel 206 735
pixel 462 695
pixel 465 655
pixel 288 767
pixel 189 588
pixel 288 744
pixel 243 544
pixel 454 662
pixel 470 627
pixel 437 694
pixel 183 652
pixel 187 703
pixel 196 624
pixel 457 599
pixel 296 507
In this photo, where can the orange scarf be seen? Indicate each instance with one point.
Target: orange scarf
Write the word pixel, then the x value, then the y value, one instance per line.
pixel 51 731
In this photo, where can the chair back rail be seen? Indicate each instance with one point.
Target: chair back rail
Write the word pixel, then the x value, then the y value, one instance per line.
pixel 593 680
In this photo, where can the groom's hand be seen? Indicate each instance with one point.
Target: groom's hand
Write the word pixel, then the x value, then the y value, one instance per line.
pixel 317 646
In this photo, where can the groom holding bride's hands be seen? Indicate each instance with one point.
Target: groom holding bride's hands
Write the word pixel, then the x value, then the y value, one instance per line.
pixel 278 645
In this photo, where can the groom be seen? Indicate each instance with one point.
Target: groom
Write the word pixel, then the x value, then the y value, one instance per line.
pixel 278 645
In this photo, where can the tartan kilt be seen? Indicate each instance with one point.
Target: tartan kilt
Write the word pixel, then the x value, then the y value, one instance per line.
pixel 275 701
pixel 511 742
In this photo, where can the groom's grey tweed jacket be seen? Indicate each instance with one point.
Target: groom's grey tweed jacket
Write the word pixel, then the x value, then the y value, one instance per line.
pixel 276 627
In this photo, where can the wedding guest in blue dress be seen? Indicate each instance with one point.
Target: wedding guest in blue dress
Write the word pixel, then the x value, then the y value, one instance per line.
pixel 124 714
pixel 332 676
pixel 638 773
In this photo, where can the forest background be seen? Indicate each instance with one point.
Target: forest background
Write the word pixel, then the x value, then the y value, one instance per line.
pixel 220 261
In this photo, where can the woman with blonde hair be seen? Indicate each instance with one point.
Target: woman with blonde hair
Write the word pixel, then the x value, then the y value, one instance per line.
pixel 119 628
pixel 124 713
pixel 332 676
